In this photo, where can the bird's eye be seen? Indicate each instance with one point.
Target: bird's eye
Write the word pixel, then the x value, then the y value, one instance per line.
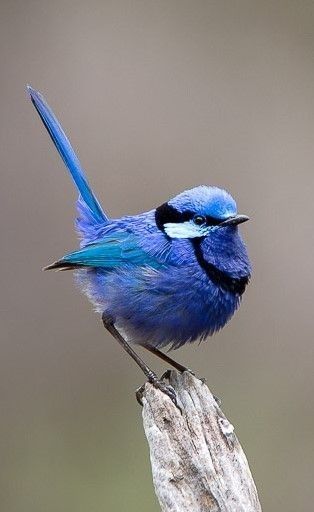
pixel 199 220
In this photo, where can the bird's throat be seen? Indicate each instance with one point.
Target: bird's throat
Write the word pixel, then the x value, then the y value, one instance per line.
pixel 225 281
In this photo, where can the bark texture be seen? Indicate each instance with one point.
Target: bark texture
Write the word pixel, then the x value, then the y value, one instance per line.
pixel 197 462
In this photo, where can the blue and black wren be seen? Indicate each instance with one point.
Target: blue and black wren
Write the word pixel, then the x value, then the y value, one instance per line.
pixel 166 277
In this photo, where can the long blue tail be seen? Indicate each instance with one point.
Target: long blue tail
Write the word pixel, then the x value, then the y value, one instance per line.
pixel 89 208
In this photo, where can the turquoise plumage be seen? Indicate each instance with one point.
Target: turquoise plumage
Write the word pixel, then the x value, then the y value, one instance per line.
pixel 114 251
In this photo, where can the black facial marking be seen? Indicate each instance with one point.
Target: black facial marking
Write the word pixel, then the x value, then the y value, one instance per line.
pixel 167 213
pixel 234 285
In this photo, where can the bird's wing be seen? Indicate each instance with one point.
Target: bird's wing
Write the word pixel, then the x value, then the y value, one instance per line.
pixel 113 251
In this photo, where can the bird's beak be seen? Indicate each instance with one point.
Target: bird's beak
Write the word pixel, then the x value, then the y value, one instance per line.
pixel 233 221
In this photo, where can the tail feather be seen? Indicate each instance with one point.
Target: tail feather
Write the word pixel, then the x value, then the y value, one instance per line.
pixel 90 211
pixel 61 265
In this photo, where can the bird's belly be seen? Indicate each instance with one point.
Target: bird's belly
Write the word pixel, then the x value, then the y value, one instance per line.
pixel 171 306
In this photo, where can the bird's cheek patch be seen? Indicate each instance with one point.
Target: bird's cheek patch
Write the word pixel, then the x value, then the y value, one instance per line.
pixel 184 230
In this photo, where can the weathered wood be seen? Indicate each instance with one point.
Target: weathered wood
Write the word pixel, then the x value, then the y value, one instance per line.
pixel 197 462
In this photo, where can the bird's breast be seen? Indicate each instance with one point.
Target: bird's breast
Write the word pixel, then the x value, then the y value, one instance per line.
pixel 234 283
pixel 170 306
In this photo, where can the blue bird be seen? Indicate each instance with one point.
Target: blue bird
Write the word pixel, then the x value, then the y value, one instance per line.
pixel 165 277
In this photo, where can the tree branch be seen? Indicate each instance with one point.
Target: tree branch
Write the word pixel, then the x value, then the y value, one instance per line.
pixel 197 462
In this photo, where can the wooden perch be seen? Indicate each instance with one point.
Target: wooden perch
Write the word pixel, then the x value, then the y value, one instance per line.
pixel 197 462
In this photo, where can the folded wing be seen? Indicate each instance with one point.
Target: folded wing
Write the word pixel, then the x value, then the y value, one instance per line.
pixel 113 251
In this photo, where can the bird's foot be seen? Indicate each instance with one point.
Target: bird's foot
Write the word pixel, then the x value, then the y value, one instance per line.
pixel 139 394
pixel 166 389
pixel 167 373
pixel 162 386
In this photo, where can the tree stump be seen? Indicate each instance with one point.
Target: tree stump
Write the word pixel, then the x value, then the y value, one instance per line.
pixel 197 462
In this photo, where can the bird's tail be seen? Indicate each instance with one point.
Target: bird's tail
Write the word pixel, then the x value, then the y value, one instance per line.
pixel 90 212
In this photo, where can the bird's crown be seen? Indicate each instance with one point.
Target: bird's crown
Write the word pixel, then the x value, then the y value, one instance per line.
pixel 208 201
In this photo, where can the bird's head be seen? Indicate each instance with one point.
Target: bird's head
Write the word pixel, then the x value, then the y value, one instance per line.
pixel 196 213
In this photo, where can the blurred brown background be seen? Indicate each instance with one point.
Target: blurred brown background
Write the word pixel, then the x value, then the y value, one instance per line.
pixel 157 96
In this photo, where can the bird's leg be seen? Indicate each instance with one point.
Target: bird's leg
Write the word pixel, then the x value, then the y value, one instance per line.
pixel 168 360
pixel 151 376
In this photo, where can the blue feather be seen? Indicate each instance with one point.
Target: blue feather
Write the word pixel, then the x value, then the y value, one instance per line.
pixel 115 250
pixel 88 205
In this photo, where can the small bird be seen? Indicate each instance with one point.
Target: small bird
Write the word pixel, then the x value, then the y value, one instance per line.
pixel 165 277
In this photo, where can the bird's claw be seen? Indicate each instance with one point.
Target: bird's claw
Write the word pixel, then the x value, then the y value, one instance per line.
pixel 166 389
pixel 163 387
pixel 167 373
pixel 139 394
